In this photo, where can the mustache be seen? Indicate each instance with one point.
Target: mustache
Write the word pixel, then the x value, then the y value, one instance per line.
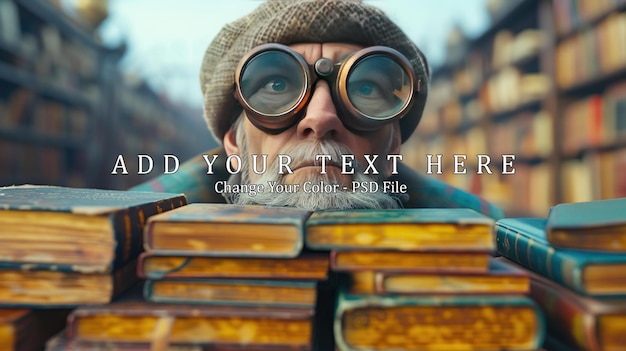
pixel 306 154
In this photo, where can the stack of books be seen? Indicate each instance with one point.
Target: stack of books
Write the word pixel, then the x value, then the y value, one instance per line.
pixel 216 275
pixel 577 256
pixel 64 247
pixel 418 279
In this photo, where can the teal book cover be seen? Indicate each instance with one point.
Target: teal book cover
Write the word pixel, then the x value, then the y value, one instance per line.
pixel 472 322
pixel 228 230
pixel 423 229
pixel 233 292
pixel 593 225
pixel 591 273
pixel 79 229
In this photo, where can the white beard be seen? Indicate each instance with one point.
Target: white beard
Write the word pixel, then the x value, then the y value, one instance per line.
pixel 340 199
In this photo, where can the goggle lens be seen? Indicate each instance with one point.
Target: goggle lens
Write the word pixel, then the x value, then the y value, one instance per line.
pixel 378 87
pixel 370 87
pixel 272 83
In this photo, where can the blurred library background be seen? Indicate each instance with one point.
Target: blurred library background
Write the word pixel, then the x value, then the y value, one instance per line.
pixel 544 80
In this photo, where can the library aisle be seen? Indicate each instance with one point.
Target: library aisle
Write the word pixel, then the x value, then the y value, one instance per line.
pixel 67 111
pixel 546 82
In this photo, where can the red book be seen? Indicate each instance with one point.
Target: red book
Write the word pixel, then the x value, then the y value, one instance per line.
pixel 581 322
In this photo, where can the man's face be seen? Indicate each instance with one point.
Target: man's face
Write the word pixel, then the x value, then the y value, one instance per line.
pixel 320 124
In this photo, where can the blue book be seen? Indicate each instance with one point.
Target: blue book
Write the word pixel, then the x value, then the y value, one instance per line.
pixel 590 273
pixel 408 229
pixel 76 229
pixel 227 230
pixel 594 225
pixel 452 322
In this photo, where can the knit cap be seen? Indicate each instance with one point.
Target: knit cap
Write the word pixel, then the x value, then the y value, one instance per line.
pixel 300 21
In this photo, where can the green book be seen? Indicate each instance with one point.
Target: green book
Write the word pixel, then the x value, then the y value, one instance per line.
pixel 467 322
pixel 74 229
pixel 203 229
pixel 414 229
pixel 593 225
pixel 591 273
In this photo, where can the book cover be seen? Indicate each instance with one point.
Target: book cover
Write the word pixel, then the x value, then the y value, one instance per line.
pixel 502 278
pixel 131 320
pixel 86 230
pixel 228 230
pixel 32 287
pixel 60 342
pixel 27 330
pixel 593 225
pixel 308 266
pixel 233 292
pixel 417 229
pixel 580 322
pixel 375 322
pixel 592 273
pixel 409 261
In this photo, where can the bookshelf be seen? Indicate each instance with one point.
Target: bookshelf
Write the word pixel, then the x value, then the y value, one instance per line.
pixel 67 111
pixel 545 82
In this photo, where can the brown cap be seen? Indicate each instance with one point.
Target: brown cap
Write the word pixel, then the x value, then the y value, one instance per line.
pixel 300 21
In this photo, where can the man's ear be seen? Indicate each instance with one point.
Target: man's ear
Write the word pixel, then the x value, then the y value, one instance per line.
pixel 230 142
pixel 230 146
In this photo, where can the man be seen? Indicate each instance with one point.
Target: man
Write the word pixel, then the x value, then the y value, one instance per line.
pixel 319 94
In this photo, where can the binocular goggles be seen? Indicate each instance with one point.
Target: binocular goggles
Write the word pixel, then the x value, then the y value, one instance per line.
pixel 370 87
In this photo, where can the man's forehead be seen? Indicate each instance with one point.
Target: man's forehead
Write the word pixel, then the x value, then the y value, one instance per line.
pixel 334 51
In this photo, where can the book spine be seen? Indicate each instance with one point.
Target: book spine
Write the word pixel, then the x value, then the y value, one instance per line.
pixel 129 227
pixel 540 258
pixel 124 278
pixel 140 265
pixel 332 261
pixel 32 331
pixel 571 322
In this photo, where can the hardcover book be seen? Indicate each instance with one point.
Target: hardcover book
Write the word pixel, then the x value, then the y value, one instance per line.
pixel 43 286
pixel 413 229
pixel 135 321
pixel 593 225
pixel 85 230
pixel 591 273
pixel 153 265
pixel 502 278
pixel 60 342
pixel 27 330
pixel 233 292
pixel 581 322
pixel 409 261
pixel 375 322
pixel 228 230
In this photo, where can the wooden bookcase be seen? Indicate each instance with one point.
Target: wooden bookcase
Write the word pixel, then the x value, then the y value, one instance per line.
pixel 66 111
pixel 546 82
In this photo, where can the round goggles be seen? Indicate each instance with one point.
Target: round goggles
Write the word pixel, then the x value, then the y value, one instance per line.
pixel 370 87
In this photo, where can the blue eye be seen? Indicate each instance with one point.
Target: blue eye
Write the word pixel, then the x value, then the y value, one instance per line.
pixel 277 85
pixel 365 89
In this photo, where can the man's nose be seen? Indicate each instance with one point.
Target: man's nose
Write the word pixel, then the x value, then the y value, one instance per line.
pixel 321 119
